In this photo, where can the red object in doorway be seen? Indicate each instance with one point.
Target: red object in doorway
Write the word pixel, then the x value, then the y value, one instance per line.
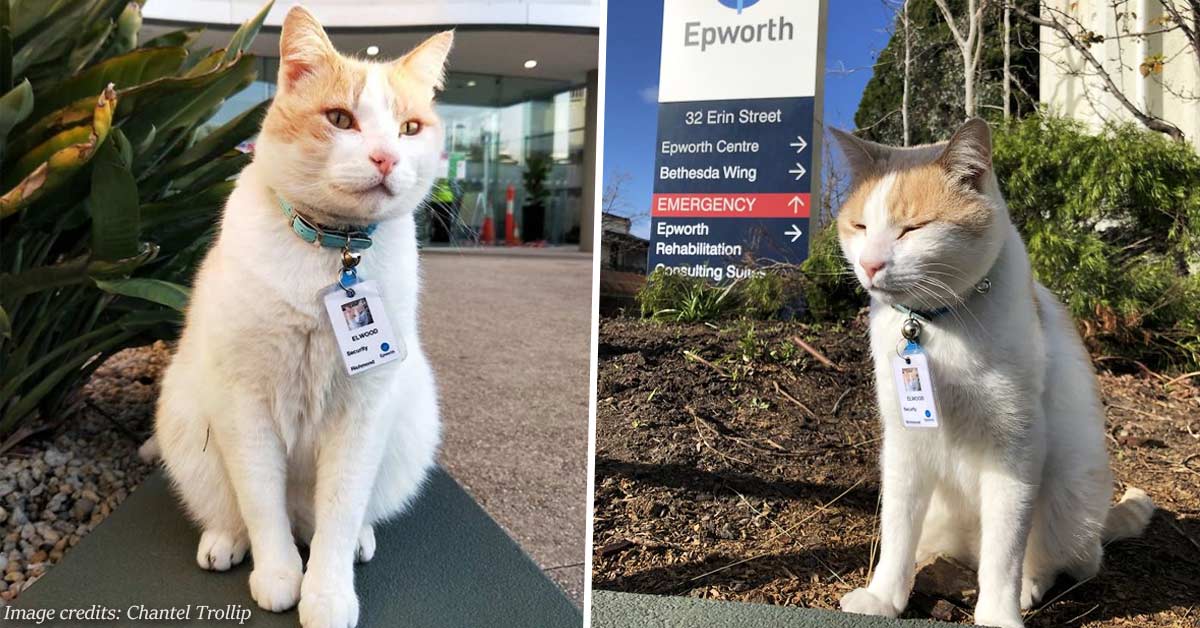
pixel 511 237
pixel 487 234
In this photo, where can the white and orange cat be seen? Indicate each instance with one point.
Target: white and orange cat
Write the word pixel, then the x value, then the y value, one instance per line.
pixel 265 437
pixel 1014 479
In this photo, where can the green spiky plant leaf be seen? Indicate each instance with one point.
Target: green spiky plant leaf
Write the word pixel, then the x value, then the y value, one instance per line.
pixel 109 190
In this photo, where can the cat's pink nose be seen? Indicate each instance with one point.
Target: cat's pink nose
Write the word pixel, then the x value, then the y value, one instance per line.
pixel 870 267
pixel 383 162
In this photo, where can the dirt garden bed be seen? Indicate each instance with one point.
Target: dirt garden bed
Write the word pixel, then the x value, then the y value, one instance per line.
pixel 733 465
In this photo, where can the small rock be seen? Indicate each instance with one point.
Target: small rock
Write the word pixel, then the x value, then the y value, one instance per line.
pixel 83 509
pixel 57 502
pixel 56 458
pixel 3 514
pixel 945 578
pixel 943 610
pixel 50 537
pixel 6 488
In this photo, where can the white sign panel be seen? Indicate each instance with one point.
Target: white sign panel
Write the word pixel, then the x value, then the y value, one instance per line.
pixel 733 49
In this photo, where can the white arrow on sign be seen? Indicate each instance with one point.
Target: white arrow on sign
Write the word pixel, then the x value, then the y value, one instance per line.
pixel 798 171
pixel 795 232
pixel 796 203
pixel 800 144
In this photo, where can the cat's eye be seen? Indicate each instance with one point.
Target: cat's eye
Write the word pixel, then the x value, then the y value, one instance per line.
pixel 910 228
pixel 410 127
pixel 340 118
pixel 860 226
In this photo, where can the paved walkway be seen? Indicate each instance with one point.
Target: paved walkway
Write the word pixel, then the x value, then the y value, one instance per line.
pixel 509 339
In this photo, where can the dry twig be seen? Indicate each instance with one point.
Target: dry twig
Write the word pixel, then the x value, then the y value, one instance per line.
pixel 794 400
pixel 696 358
pixel 698 422
pixel 816 354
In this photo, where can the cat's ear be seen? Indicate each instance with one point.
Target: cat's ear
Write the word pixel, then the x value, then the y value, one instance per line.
pixel 968 154
pixel 427 62
pixel 303 47
pixel 865 157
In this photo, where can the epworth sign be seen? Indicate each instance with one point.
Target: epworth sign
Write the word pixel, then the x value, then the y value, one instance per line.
pixel 738 148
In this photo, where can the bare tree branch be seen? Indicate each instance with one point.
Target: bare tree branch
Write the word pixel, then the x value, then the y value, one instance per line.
pixel 1191 31
pixel 1150 121
pixel 970 46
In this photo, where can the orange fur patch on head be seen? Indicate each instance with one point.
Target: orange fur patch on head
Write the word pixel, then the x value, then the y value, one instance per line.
pixel 936 182
pixel 298 113
pixel 925 194
pixel 313 79
pixel 851 212
pixel 413 99
pixel 417 76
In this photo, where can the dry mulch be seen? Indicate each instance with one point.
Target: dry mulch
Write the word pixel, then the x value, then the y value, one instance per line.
pixel 733 465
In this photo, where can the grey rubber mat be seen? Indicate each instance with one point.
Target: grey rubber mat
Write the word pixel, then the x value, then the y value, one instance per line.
pixel 443 564
pixel 629 610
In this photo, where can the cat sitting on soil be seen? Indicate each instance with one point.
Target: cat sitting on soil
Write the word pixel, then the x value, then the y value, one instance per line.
pixel 266 438
pixel 1007 471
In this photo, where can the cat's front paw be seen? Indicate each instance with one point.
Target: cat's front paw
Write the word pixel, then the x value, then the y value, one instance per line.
pixel 1032 590
pixel 276 588
pixel 864 602
pixel 328 602
pixel 999 613
pixel 218 551
pixel 998 620
pixel 366 545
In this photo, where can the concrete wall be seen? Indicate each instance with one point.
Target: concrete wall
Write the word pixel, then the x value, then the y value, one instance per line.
pixel 1071 87
pixel 362 13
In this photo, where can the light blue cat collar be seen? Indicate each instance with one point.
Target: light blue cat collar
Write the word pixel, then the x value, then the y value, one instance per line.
pixel 354 239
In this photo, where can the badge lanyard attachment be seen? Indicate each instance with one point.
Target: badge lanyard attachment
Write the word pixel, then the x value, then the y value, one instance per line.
pixel 348 275
pixel 911 330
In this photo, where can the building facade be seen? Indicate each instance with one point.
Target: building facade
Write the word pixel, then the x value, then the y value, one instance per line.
pixel 1153 64
pixel 519 108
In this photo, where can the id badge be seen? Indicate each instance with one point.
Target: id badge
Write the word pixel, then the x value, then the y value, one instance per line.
pixel 364 335
pixel 914 386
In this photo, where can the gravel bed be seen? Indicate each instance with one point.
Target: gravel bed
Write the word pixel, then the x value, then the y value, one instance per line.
pixel 59 485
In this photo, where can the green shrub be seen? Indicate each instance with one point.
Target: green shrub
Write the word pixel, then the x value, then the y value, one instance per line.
pixel 830 291
pixel 109 190
pixel 670 296
pixel 1112 221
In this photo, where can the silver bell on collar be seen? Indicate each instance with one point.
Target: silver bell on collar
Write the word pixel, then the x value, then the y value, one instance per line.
pixel 911 330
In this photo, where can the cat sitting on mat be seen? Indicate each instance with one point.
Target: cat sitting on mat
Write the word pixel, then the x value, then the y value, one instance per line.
pixel 299 407
pixel 993 433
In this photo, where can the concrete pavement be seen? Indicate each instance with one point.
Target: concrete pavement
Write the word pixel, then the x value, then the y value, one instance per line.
pixel 508 336
pixel 630 610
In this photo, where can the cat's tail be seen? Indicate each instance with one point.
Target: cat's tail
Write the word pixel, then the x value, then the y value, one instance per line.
pixel 150 451
pixel 1129 517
